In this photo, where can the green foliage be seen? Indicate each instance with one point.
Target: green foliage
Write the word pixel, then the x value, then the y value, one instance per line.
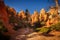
pixel 47 30
pixel 55 27
pixel 43 29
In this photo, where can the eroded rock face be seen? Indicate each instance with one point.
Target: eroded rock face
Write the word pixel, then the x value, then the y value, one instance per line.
pixel 4 17
pixel 52 10
pixel 11 11
pixel 59 9
pixel 22 14
pixel 35 17
pixel 53 16
pixel 43 15
pixel 51 20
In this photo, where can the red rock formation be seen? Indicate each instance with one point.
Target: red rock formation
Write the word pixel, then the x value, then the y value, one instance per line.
pixel 12 10
pixel 4 17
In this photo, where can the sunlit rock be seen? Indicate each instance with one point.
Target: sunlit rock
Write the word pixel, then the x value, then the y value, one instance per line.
pixel 52 10
pixel 22 14
pixel 12 11
pixel 43 15
pixel 51 21
pixel 47 23
pixel 35 17
pixel 59 9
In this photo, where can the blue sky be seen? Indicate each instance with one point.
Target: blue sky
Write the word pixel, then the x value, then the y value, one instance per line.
pixel 31 5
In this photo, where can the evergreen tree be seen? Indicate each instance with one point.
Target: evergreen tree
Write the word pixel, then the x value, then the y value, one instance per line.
pixel 27 15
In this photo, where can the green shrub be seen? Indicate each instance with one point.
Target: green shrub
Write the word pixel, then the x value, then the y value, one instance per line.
pixel 43 29
pixel 55 27
pixel 47 30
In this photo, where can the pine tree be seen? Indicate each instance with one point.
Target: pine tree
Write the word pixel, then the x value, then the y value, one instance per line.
pixel 27 15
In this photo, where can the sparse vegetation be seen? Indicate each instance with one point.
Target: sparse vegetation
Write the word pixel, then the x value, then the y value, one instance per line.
pixel 43 30
pixel 55 27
